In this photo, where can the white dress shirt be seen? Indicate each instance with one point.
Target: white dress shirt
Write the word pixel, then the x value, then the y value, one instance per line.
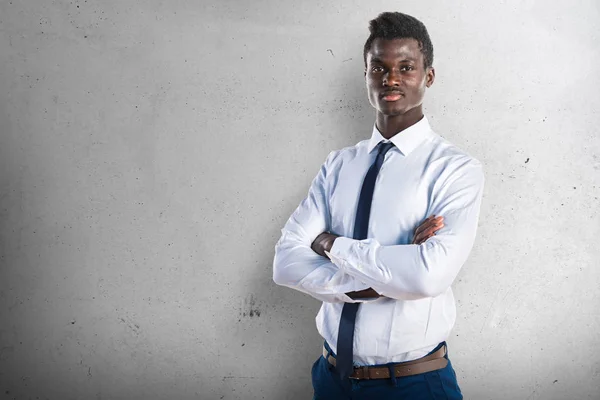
pixel 423 174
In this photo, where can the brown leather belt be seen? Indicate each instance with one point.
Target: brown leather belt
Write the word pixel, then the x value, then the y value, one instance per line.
pixel 428 363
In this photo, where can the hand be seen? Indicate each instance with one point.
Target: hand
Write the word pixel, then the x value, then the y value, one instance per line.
pixel 428 229
pixel 323 242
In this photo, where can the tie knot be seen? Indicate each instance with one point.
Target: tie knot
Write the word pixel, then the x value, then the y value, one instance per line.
pixel 384 147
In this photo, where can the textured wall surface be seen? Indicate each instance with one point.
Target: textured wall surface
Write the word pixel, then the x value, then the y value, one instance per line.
pixel 151 151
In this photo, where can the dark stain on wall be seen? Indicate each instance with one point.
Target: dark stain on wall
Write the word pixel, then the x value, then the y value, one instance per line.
pixel 250 308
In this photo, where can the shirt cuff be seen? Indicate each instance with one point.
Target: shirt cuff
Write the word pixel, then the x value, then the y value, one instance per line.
pixel 340 251
pixel 340 255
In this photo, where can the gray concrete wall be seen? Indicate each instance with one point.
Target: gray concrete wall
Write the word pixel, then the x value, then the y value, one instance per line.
pixel 151 152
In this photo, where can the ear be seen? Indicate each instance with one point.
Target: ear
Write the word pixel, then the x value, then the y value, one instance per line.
pixel 430 76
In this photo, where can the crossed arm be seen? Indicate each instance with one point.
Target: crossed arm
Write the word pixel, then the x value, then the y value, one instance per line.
pixel 323 243
pixel 353 270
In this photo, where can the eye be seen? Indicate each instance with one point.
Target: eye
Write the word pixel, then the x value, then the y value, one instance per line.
pixel 376 69
pixel 405 68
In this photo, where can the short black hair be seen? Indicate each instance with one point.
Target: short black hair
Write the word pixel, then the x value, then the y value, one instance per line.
pixel 395 25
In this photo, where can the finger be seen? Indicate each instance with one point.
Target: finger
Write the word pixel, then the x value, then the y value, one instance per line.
pixel 426 234
pixel 423 223
pixel 428 224
pixel 432 230
pixel 417 240
pixel 421 239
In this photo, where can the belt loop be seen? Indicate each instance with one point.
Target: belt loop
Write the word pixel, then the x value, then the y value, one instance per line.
pixel 329 352
pixel 393 379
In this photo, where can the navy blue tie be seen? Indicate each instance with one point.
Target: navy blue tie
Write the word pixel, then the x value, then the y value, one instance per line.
pixel 344 362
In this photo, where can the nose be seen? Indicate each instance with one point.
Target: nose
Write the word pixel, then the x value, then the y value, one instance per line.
pixel 391 78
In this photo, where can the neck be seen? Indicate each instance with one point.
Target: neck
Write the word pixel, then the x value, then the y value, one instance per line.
pixel 390 125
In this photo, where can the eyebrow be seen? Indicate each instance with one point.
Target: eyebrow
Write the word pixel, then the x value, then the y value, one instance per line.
pixel 378 60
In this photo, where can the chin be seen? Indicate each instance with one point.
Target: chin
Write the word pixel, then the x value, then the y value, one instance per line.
pixel 392 111
pixel 397 108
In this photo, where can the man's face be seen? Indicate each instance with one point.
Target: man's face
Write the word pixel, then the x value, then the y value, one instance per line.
pixel 395 75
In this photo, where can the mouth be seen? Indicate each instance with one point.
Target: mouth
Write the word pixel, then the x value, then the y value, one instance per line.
pixel 391 96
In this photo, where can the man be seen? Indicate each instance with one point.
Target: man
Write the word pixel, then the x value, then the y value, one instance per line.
pixel 388 307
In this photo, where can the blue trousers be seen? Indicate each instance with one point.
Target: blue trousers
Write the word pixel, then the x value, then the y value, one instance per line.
pixel 434 385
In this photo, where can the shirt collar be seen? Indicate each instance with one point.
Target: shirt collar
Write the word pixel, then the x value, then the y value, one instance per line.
pixel 407 140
